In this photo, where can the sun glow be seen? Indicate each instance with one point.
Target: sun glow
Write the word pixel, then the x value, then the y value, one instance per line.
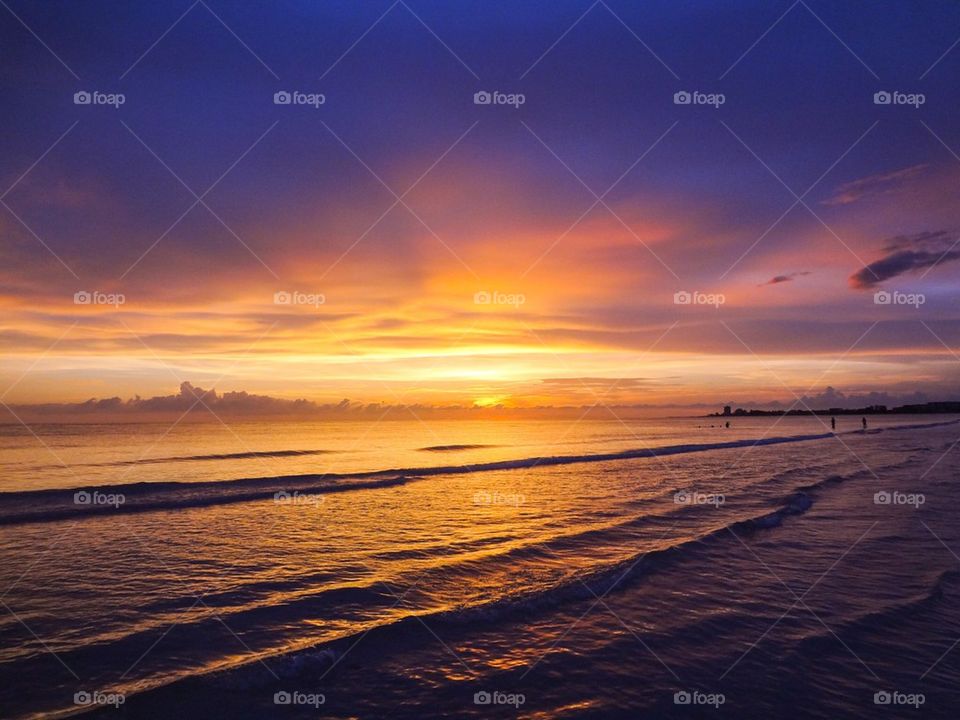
pixel 490 400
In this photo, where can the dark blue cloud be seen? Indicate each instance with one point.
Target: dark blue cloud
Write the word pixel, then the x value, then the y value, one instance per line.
pixel 908 254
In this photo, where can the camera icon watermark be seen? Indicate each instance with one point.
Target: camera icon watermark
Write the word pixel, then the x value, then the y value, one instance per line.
pixel 894 497
pixel 495 297
pixel 483 97
pixel 295 297
pixel 684 297
pixel 95 297
pixel 695 697
pixel 895 97
pixel 695 97
pixel 296 697
pixel 895 297
pixel 495 697
pixel 95 97
pixel 295 97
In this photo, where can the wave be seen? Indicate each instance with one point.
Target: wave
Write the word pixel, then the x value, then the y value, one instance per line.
pixel 453 448
pixel 897 613
pixel 224 456
pixel 319 658
pixel 197 458
pixel 254 599
pixel 28 506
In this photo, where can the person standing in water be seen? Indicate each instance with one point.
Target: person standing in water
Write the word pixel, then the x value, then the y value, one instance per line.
pixel 833 423
pixel 864 421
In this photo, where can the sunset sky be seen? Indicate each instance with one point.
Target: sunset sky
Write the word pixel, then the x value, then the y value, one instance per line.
pixel 579 214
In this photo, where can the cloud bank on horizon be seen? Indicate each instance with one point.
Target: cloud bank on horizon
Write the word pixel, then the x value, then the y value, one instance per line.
pixel 405 241
pixel 195 403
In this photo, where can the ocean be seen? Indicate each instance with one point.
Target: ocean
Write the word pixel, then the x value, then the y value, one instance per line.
pixel 537 569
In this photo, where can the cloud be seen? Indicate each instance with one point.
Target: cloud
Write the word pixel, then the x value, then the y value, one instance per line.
pixel 209 405
pixel 831 397
pixel 906 253
pixel 789 277
pixel 196 400
pixel 874 185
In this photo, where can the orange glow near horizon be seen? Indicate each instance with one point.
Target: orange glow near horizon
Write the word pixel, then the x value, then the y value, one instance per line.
pixel 567 317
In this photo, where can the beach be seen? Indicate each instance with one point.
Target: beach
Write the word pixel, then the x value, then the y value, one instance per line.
pixel 413 359
pixel 796 573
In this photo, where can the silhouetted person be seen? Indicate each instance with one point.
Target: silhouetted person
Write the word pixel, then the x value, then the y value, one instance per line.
pixel 833 423
pixel 864 421
pixel 728 423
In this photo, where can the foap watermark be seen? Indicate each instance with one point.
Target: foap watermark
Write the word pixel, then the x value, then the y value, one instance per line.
pixel 483 97
pixel 695 97
pixel 295 297
pixel 295 97
pixel 296 697
pixel 895 697
pixel 893 497
pixel 895 297
pixel 298 498
pixel 495 297
pixel 496 697
pixel 692 497
pixel 95 497
pixel 895 97
pixel 95 297
pixel 695 697
pixel 86 698
pixel 95 97
pixel 485 497
pixel 684 297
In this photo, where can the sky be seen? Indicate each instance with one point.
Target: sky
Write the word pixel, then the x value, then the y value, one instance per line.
pixel 389 237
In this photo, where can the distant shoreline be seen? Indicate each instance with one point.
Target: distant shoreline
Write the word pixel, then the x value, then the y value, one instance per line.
pixel 931 408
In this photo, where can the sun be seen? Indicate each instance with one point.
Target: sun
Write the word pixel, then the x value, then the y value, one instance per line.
pixel 489 400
